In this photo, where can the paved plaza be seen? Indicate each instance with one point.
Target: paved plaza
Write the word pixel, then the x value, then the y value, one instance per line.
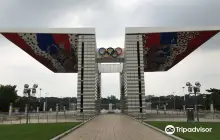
pixel 115 127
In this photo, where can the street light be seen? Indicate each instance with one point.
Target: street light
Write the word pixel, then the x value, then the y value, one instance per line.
pixel 40 94
pixel 27 92
pixel 40 98
pixel 46 95
pixel 184 95
pixel 194 90
pixel 184 100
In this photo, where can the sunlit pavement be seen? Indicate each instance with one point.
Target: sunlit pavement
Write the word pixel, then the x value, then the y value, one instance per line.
pixel 114 127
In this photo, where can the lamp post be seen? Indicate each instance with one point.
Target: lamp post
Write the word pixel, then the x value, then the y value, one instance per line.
pixel 184 100
pixel 184 96
pixel 40 98
pixel 27 92
pixel 194 90
pixel 40 94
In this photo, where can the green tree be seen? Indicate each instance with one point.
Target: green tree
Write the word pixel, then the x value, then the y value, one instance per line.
pixel 8 94
pixel 112 99
pixel 214 97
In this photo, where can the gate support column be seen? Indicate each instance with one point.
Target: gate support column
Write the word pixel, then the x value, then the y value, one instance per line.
pixel 134 74
pixel 86 75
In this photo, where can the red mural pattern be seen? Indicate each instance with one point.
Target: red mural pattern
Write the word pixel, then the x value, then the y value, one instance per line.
pixel 58 52
pixel 162 57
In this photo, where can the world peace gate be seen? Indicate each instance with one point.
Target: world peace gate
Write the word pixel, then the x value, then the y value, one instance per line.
pixel 74 50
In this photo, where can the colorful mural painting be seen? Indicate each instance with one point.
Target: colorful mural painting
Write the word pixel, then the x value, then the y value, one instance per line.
pixel 58 52
pixel 164 50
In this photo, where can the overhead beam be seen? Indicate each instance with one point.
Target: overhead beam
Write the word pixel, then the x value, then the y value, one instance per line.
pixel 49 30
pixel 136 30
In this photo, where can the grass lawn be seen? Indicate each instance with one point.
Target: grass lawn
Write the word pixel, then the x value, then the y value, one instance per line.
pixel 33 131
pixel 214 135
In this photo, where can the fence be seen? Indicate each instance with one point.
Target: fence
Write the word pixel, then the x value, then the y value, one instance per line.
pixel 71 116
pixel 42 117
pixel 176 115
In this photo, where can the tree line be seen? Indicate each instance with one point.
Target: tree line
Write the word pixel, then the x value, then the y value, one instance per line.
pixel 8 94
pixel 177 102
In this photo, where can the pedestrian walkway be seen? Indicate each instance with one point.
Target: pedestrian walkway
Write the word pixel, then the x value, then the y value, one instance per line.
pixel 115 127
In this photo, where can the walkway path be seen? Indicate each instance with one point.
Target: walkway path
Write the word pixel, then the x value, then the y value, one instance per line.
pixel 115 127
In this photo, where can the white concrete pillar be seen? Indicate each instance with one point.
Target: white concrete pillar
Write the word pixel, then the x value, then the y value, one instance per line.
pixel 38 109
pixel 164 108
pixel 211 108
pixel 110 107
pixel 57 108
pixel 44 108
pixel 10 109
pixel 184 108
pixel 157 109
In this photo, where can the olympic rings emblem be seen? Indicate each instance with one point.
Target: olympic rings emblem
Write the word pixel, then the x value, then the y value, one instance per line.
pixel 110 52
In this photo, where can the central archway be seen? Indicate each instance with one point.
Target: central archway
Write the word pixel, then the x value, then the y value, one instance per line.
pixel 74 51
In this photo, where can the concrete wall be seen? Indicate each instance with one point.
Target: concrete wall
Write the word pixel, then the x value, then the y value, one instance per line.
pixel 87 75
pixel 134 74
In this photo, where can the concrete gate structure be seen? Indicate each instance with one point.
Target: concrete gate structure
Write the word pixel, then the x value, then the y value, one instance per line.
pixel 74 50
